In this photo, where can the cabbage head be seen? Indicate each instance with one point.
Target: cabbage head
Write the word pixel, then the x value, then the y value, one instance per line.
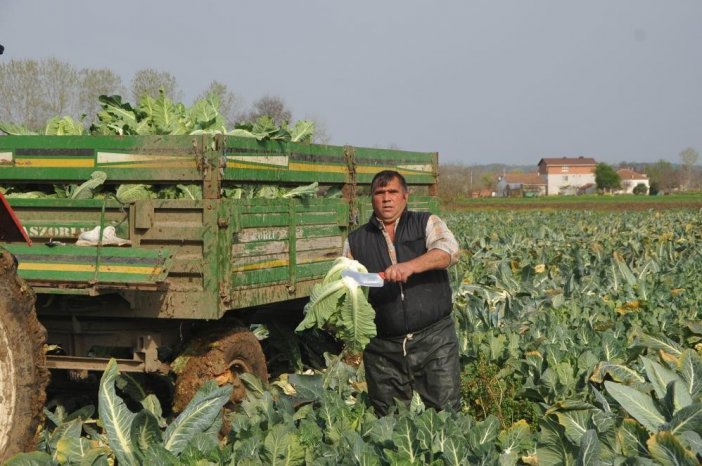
pixel 340 305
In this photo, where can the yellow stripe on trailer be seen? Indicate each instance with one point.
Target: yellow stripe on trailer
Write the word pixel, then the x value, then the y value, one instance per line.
pixel 276 263
pixel 413 170
pixel 178 164
pixel 261 265
pixel 55 162
pixel 25 266
pixel 293 166
pixel 252 166
pixel 310 167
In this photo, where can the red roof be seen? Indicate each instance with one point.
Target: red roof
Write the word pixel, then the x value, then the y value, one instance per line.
pixel 568 161
pixel 626 174
pixel 523 178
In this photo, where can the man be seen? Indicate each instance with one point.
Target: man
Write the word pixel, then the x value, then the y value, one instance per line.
pixel 416 348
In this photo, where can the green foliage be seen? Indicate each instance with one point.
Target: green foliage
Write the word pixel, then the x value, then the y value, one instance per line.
pixel 63 126
pixel 128 437
pixel 87 189
pixel 116 418
pixel 640 189
pixel 201 415
pixel 602 316
pixel 191 191
pixel 606 177
pixel 15 129
pixel 586 328
pixel 267 191
pixel 265 128
pixel 340 304
pixel 487 391
pixel 309 190
pixel 164 116
pixel 331 429
pixel 127 193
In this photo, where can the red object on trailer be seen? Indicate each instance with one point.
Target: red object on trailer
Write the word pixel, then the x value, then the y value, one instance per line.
pixel 10 226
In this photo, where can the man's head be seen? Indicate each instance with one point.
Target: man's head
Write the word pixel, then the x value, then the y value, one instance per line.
pixel 389 195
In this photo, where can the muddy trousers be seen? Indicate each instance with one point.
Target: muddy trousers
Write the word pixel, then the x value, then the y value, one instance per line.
pixel 425 361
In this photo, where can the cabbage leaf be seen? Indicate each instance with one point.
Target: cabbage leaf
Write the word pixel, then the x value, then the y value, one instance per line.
pixel 127 193
pixel 87 189
pixel 14 129
pixel 309 190
pixel 63 126
pixel 339 304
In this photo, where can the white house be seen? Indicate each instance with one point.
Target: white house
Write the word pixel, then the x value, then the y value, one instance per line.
pixel 568 175
pixel 630 179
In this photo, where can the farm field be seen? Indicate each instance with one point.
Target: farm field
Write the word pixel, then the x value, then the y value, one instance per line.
pixel 581 343
pixel 585 202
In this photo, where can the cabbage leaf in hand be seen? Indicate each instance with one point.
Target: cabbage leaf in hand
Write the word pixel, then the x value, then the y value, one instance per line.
pixel 340 305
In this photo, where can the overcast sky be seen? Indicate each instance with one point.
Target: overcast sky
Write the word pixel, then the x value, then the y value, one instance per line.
pixel 478 81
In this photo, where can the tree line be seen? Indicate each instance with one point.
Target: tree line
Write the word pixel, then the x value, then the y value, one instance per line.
pixel 459 181
pixel 33 91
pixel 664 177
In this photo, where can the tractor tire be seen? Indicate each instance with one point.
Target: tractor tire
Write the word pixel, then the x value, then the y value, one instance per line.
pixel 220 357
pixel 23 376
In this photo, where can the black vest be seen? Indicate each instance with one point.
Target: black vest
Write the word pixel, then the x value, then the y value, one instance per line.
pixel 427 296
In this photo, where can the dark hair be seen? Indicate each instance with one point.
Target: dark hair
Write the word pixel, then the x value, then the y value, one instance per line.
pixel 386 176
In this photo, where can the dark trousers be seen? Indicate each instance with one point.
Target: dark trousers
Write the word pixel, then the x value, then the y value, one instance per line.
pixel 426 362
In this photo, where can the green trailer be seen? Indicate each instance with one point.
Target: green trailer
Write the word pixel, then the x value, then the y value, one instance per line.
pixel 209 258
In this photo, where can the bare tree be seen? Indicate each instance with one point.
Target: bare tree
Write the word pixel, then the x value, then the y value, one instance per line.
pixel 93 84
pixel 21 95
pixel 321 135
pixel 453 181
pixel 229 103
pixel 663 176
pixel 149 82
pixel 688 157
pixel 32 92
pixel 272 106
pixel 59 81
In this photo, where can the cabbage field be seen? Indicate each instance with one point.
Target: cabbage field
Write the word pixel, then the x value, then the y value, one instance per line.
pixel 581 343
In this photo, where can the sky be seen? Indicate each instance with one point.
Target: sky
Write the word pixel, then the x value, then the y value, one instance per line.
pixel 479 82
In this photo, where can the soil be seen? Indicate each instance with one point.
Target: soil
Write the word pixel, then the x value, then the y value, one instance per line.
pixel 24 378
pixel 222 356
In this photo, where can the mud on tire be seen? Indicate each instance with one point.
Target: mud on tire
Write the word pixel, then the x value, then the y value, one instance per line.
pixel 23 377
pixel 222 357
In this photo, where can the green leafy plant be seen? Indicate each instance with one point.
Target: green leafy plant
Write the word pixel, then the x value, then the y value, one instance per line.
pixel 127 193
pixel 341 305
pixel 164 116
pixel 487 391
pixel 128 437
pixel 87 189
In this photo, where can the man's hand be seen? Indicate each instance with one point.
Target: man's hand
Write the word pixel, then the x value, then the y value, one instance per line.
pixel 398 272
pixel 431 260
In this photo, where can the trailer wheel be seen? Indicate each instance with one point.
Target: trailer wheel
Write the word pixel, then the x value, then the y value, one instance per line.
pixel 23 377
pixel 222 358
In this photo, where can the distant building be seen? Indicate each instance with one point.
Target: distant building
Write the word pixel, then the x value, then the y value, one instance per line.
pixel 630 179
pixel 521 185
pixel 567 175
pixel 485 192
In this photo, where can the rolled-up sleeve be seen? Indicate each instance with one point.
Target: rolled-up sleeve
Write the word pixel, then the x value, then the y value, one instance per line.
pixel 440 237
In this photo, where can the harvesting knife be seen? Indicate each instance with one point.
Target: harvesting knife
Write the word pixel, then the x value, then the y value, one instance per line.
pixel 375 280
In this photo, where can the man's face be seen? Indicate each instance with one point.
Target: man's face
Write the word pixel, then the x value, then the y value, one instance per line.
pixel 389 201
